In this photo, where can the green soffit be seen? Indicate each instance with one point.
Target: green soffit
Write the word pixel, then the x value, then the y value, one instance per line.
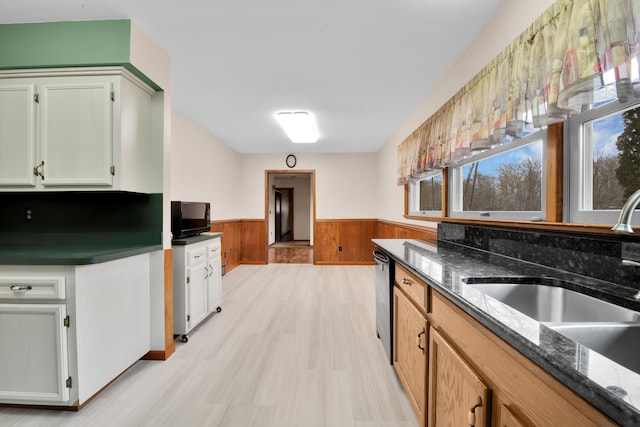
pixel 64 44
pixel 68 44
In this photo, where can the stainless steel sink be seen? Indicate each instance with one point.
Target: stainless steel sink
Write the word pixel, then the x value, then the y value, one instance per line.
pixel 618 342
pixel 546 303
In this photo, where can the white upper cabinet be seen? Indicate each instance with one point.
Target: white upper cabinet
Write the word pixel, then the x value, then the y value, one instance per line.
pixel 76 133
pixel 75 129
pixel 17 134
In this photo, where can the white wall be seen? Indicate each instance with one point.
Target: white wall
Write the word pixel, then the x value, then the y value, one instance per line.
pixel 345 183
pixel 204 169
pixel 513 17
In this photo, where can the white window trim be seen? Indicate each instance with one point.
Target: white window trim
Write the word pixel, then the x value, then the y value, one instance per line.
pixel 579 161
pixel 456 179
pixel 415 195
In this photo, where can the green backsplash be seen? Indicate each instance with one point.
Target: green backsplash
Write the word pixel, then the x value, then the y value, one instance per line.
pixel 83 212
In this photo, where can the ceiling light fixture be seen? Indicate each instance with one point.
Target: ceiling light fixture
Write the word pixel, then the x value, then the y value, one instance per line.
pixel 299 126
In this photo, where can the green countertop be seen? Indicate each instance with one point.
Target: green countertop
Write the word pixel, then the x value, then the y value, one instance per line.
pixel 72 249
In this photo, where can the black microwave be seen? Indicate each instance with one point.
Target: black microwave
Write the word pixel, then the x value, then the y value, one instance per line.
pixel 189 218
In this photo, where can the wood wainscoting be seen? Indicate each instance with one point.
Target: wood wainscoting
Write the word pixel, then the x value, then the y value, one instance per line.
pixel 399 230
pixel 336 241
pixel 243 241
pixel 354 236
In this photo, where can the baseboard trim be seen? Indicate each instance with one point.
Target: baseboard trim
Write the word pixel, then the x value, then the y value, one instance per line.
pixel 160 354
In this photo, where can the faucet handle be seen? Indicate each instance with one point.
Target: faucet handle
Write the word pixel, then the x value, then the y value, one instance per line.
pixel 630 263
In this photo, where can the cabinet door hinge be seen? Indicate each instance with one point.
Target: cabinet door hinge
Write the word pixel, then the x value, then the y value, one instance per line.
pixel 113 96
pixel 112 169
pixel 67 321
pixel 36 98
pixel 188 279
pixel 69 382
pixel 188 318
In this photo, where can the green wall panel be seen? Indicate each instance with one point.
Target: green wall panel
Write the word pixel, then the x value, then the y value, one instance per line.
pixel 64 44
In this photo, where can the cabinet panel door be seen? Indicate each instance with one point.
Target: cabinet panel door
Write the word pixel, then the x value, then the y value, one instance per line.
pixel 196 295
pixel 410 352
pixel 17 134
pixel 214 285
pixel 76 133
pixel 457 396
pixel 33 354
pixel 509 419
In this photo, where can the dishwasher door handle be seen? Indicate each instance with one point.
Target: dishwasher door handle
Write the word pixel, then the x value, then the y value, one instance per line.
pixel 380 257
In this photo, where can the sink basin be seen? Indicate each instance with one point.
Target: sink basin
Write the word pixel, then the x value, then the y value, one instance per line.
pixel 547 303
pixel 618 342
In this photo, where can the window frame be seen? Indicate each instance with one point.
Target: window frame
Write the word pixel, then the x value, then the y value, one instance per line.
pixel 456 180
pixel 413 196
pixel 579 160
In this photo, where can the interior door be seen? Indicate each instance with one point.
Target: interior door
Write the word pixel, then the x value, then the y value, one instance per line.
pixel 278 215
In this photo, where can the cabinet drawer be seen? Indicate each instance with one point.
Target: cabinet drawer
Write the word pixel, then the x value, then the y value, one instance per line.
pixel 21 287
pixel 196 256
pixel 213 251
pixel 414 287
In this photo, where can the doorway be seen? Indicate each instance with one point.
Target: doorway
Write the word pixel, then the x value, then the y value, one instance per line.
pixel 290 216
pixel 284 212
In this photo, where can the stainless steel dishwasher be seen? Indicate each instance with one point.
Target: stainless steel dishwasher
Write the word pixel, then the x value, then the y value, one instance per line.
pixel 384 301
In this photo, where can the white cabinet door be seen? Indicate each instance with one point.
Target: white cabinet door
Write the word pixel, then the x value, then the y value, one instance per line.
pixel 214 276
pixel 33 353
pixel 17 134
pixel 196 295
pixel 75 125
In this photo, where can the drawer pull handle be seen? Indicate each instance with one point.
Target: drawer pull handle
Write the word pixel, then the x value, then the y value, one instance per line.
pixel 406 281
pixel 19 289
pixel 472 412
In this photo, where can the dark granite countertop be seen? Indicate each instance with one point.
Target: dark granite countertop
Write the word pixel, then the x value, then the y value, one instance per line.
pixel 72 248
pixel 591 375
pixel 195 239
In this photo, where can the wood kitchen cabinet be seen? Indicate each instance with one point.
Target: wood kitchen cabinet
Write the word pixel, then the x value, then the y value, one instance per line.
pixel 467 375
pixel 197 283
pixel 522 393
pixel 410 350
pixel 457 395
pixel 75 129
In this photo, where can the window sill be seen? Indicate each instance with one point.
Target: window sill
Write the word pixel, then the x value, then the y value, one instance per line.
pixel 549 226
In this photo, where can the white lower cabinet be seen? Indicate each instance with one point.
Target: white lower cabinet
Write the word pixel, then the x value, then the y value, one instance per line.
pixel 67 331
pixel 33 352
pixel 197 283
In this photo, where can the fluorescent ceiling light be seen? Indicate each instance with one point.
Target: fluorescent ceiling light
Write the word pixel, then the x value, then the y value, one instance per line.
pixel 299 126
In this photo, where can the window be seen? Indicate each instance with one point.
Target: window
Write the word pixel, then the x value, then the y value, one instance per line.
pixel 507 182
pixel 425 196
pixel 603 148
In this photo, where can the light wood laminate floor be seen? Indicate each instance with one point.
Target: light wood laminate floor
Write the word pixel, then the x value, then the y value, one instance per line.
pixel 294 345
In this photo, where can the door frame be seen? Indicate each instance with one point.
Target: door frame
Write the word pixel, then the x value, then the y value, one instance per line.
pixel 267 173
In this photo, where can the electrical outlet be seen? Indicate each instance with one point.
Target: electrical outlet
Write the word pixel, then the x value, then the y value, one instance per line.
pixel 28 214
pixel 340 248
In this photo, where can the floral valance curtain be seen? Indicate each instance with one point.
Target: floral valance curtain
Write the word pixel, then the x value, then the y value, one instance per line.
pixel 579 52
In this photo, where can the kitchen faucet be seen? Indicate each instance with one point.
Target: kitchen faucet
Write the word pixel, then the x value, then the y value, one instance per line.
pixel 623 226
pixel 624 222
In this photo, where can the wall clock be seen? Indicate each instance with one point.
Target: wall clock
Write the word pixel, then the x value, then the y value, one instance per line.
pixel 291 160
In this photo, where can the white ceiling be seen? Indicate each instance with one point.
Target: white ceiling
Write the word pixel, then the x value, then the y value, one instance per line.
pixel 360 66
